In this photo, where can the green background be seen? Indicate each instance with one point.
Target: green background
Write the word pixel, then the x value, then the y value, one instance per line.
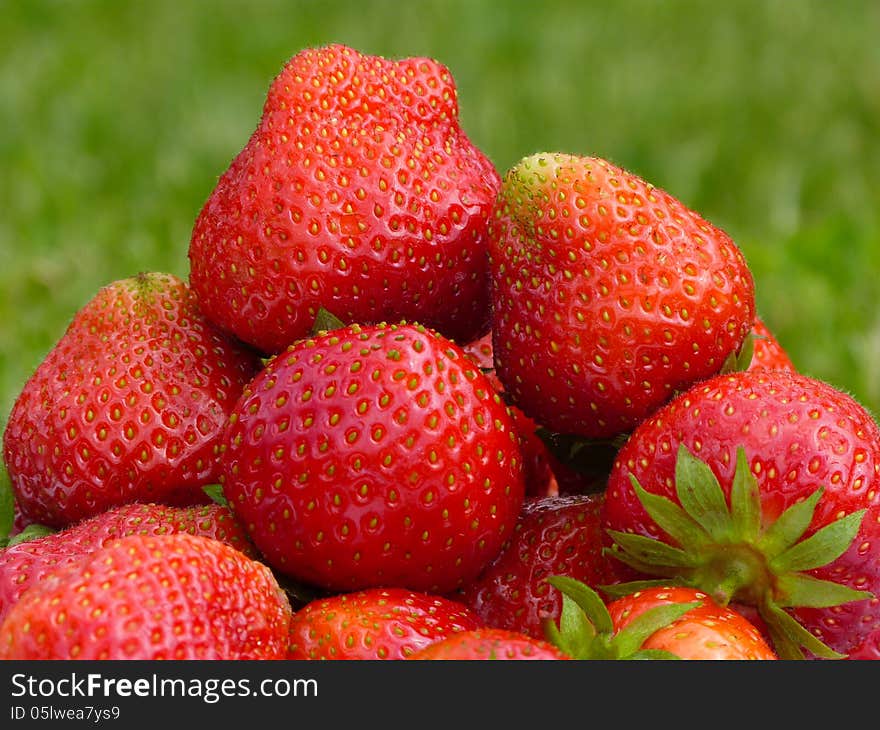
pixel 116 118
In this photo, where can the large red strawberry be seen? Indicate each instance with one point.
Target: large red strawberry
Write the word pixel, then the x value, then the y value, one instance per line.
pixel 374 456
pixel 760 488
pixel 127 406
pixel 358 192
pixel 152 597
pixel 559 535
pixel 26 563
pixel 489 644
pixel 660 622
pixel 376 623
pixel 609 295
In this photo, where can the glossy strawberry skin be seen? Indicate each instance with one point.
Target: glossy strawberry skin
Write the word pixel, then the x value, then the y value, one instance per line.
pixel 27 563
pixel 152 597
pixel 546 475
pixel 707 631
pixel 608 295
pixel 358 192
pixel 799 434
pixel 374 456
pixel 127 406
pixel 769 352
pixel 557 535
pixel 376 623
pixel 490 644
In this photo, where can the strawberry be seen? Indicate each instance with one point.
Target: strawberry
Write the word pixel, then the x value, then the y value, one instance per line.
pixel 707 631
pixel 559 535
pixel 25 563
pixel 550 467
pixel 358 192
pixel 376 623
pixel 759 487
pixel 486 644
pixel 609 295
pixel 768 351
pixel 127 406
pixel 661 622
pixel 374 456
pixel 152 597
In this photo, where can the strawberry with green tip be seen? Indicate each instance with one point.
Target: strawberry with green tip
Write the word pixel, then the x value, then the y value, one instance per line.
pixel 376 623
pixel 129 405
pixel 609 295
pixel 150 597
pixel 374 456
pixel 358 192
pixel 760 488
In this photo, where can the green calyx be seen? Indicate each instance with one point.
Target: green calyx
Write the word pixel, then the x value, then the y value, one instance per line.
pixel 325 321
pixel 7 517
pixel 731 554
pixel 586 631
pixel 741 358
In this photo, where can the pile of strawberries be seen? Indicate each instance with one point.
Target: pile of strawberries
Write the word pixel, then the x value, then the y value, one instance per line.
pixel 407 407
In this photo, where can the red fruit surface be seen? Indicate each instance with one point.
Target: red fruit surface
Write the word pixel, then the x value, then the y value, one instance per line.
pixel 559 535
pixel 358 192
pixel 27 563
pixel 799 434
pixel 127 406
pixel 152 597
pixel 488 644
pixel 609 295
pixel 374 456
pixel 768 353
pixel 376 623
pixel 708 631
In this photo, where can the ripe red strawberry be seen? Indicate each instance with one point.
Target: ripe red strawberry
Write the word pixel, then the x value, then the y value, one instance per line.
pixel 376 623
pixel 768 352
pixel 608 295
pixel 487 644
pixel 358 192
pixel 707 631
pixel 546 474
pixel 374 456
pixel 760 488
pixel 152 597
pixel 559 535
pixel 660 622
pixel 127 406
pixel 26 563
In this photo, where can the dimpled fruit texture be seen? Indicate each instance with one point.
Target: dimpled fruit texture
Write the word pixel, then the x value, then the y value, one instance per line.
pixel 556 535
pixel 26 563
pixel 127 406
pixel 358 192
pixel 377 623
pixel 798 434
pixel 490 644
pixel 609 294
pixel 707 631
pixel 152 597
pixel 374 456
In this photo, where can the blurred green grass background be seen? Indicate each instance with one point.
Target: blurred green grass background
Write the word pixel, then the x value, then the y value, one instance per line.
pixel 118 117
